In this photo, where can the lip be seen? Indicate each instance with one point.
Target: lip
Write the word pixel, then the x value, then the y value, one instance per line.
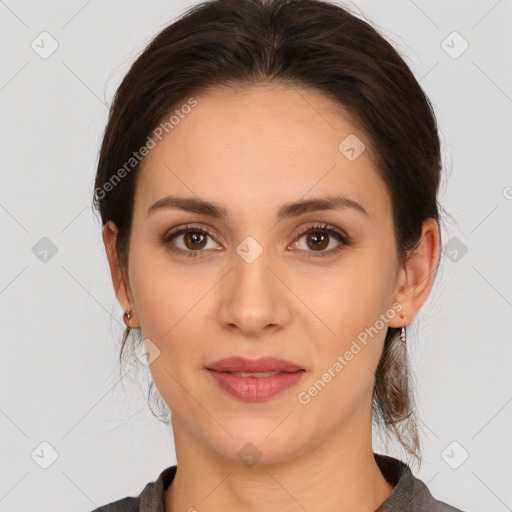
pixel 255 389
pixel 263 364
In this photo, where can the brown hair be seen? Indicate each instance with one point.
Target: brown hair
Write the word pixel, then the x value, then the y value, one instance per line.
pixel 307 43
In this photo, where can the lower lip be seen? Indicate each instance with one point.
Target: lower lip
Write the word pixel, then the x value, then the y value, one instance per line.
pixel 254 389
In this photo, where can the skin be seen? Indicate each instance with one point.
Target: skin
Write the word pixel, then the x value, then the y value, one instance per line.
pixel 252 151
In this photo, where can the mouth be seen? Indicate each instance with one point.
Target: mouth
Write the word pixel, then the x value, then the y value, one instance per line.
pixel 255 386
pixel 241 366
pixel 257 375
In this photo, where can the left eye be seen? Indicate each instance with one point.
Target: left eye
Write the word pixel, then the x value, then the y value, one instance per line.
pixel 318 238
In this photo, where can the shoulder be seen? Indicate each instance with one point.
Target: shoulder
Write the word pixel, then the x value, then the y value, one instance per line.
pixel 410 493
pixel 151 499
pixel 423 500
pixel 123 505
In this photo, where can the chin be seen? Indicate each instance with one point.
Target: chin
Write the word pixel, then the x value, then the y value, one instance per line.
pixel 259 443
pixel 251 453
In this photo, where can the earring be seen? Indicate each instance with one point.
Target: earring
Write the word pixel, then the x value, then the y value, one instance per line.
pixel 403 335
pixel 126 317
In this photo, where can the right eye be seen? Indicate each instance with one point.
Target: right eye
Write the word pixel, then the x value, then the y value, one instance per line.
pixel 193 240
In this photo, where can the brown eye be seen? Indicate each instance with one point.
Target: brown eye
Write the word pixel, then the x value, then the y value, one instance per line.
pixel 194 240
pixel 317 238
pixel 188 241
pixel 317 241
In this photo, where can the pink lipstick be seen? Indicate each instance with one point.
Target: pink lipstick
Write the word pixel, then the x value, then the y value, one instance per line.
pixel 257 379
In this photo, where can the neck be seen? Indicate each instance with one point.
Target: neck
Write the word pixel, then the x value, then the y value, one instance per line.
pixel 343 479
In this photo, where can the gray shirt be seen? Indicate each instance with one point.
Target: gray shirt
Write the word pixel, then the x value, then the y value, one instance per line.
pixel 409 495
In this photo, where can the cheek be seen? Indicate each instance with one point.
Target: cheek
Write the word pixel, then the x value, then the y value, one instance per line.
pixel 357 293
pixel 356 308
pixel 346 361
pixel 170 311
pixel 161 293
pixel 173 311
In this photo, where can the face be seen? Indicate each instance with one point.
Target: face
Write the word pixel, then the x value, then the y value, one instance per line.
pixel 314 286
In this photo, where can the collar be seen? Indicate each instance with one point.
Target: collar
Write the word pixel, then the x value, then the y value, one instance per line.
pixel 407 495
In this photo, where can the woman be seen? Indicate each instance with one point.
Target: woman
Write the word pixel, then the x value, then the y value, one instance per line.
pixel 268 187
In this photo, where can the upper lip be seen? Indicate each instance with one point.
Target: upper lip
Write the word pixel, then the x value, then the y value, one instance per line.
pixel 263 364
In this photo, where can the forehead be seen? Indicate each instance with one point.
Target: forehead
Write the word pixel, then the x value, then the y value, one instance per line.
pixel 261 145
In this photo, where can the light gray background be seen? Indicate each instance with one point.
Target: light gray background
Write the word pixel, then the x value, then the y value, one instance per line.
pixel 61 325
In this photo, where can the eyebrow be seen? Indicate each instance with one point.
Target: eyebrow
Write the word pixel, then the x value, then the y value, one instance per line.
pixel 293 209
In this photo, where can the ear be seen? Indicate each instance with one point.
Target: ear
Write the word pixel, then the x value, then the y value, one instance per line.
pixel 122 289
pixel 417 276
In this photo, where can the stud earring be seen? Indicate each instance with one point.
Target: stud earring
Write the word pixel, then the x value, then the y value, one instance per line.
pixel 126 317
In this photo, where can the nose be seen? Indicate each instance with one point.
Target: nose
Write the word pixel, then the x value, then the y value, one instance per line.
pixel 253 298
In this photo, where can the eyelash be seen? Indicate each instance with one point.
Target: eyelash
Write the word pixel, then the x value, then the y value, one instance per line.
pixel 316 228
